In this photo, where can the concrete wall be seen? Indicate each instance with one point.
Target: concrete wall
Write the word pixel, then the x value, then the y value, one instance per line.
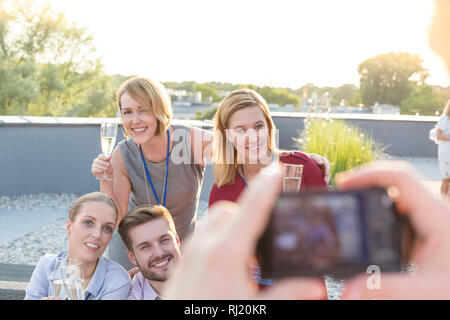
pixel 404 136
pixel 54 155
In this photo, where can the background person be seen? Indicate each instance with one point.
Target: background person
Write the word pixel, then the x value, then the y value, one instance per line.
pixel 153 245
pixel 90 226
pixel 443 137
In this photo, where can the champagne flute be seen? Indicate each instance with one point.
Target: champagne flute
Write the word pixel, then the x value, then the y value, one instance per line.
pixel 108 134
pixel 69 280
pixel 292 179
pixel 57 280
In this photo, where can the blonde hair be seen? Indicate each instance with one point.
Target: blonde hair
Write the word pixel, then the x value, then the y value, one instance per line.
pixel 447 109
pixel 88 198
pixel 224 153
pixel 153 95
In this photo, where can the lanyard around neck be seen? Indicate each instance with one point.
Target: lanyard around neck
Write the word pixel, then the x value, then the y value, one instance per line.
pixel 243 173
pixel 167 171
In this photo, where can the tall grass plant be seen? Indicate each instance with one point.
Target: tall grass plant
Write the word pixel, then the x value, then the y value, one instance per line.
pixel 345 146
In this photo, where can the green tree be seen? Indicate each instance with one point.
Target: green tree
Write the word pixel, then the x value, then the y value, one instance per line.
pixel 278 96
pixel 48 65
pixel 390 78
pixel 207 92
pixel 425 99
pixel 347 92
pixel 206 114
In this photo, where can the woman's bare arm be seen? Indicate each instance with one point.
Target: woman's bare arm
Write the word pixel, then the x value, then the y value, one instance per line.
pixel 201 145
pixel 121 185
pixel 441 136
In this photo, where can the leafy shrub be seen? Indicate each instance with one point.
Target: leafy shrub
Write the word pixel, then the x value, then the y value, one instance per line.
pixel 343 145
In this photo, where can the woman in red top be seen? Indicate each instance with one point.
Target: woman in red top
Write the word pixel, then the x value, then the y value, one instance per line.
pixel 244 143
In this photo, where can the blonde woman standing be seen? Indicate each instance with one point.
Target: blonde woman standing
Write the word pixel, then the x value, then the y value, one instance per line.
pixel 158 163
pixel 443 138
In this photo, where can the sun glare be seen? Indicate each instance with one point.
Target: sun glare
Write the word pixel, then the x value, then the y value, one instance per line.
pixel 281 43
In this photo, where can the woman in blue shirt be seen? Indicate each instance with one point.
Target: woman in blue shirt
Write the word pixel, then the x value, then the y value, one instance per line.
pixel 91 223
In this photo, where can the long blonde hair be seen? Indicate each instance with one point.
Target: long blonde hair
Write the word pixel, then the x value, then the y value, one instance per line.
pixel 224 153
pixel 153 95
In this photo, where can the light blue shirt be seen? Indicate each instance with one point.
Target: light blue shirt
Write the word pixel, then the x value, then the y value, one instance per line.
pixel 109 282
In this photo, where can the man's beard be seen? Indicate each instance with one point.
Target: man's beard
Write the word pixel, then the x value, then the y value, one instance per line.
pixel 153 276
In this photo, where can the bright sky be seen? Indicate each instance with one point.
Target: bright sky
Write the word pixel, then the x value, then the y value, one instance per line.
pixel 278 42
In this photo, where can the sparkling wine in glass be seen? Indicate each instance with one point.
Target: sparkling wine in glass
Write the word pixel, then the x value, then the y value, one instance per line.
pixel 108 134
pixel 292 179
pixel 57 286
pixel 69 280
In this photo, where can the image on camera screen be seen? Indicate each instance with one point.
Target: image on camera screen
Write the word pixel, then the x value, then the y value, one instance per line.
pixel 319 232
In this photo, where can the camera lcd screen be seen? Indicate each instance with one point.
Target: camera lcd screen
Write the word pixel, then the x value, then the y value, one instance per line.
pixel 335 232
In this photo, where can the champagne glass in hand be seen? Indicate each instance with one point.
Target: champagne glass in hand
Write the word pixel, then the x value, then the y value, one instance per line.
pixel 108 134
pixel 292 179
pixel 68 282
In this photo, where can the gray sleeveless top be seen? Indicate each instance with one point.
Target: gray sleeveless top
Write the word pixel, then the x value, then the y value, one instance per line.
pixel 184 184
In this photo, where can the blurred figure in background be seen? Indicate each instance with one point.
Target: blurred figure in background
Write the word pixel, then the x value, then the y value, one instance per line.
pixel 443 138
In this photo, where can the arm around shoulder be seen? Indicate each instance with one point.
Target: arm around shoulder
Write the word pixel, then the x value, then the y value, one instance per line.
pixel 121 186
pixel 201 145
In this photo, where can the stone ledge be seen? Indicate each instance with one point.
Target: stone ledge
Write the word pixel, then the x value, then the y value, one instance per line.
pixel 13 285
pixel 357 116
pixel 20 120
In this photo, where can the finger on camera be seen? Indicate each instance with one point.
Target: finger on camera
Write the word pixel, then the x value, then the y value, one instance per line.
pixel 412 198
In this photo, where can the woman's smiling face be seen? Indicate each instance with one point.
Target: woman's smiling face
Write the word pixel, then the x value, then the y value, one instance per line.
pixel 137 120
pixel 249 133
pixel 90 231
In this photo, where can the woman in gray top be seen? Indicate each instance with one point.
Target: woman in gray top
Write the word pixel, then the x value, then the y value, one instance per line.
pixel 158 163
